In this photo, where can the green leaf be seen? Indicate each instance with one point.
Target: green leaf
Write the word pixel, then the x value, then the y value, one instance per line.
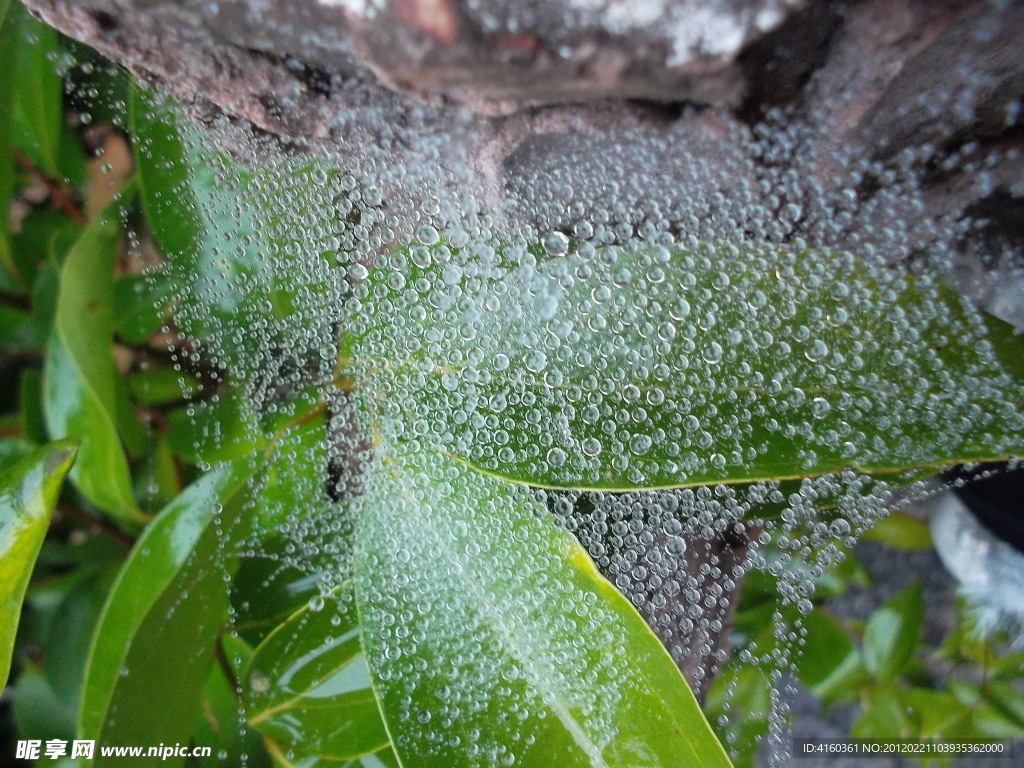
pixel 900 531
pixel 39 712
pixel 159 479
pixel 80 376
pixel 140 305
pixel 829 663
pixel 884 716
pixel 617 370
pixel 933 712
pixel 268 589
pixel 30 402
pixel 742 694
pixel 307 686
pixel 13 450
pixel 891 633
pixel 8 86
pixel 155 640
pixel 28 494
pixel 70 634
pixel 491 637
pixel 39 110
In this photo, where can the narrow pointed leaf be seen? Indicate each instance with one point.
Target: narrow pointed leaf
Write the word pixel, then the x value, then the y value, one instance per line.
pixel 28 494
pixel 39 110
pixel 492 638
pixel 615 370
pixel 307 686
pixel 80 376
pixel 8 87
pixel 155 640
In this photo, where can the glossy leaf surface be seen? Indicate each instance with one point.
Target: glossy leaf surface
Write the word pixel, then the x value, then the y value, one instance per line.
pixel 171 593
pixel 39 112
pixel 8 85
pixel 307 685
pixel 657 368
pixel 28 494
pixel 491 636
pixel 80 378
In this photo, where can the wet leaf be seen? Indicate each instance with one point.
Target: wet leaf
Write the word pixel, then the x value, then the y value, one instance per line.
pixel 80 378
pixel 891 633
pixel 269 588
pixel 657 368
pixel 39 110
pixel 159 479
pixel 221 428
pixel 162 617
pixel 28 494
pixel 307 686
pixel 476 606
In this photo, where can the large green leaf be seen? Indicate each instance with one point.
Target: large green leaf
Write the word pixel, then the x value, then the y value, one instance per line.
pixel 8 86
pixel 617 369
pixel 891 633
pixel 28 493
pixel 155 640
pixel 492 639
pixel 80 376
pixel 39 110
pixel 307 685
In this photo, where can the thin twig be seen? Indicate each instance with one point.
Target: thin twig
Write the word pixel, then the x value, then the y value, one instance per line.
pixel 59 194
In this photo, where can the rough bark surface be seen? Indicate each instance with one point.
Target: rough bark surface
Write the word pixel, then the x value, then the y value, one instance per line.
pixel 929 87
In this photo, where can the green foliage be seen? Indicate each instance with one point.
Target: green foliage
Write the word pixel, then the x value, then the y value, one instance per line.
pixel 167 603
pixel 169 594
pixel 28 493
pixel 80 379
pixel 525 566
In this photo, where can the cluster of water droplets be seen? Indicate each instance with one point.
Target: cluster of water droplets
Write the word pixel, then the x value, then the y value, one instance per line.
pixel 665 354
